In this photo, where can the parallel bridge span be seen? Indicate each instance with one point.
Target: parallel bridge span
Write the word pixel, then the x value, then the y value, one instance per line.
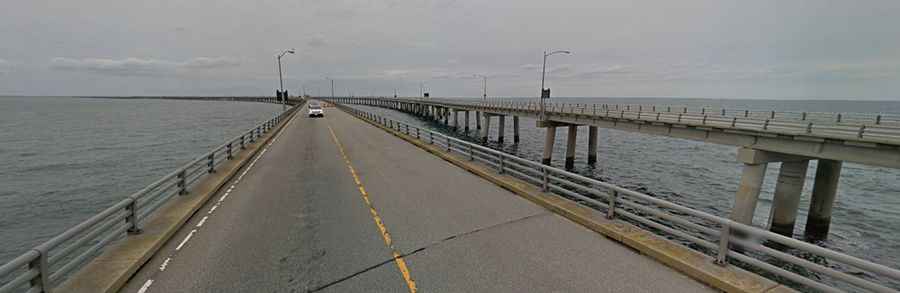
pixel 874 143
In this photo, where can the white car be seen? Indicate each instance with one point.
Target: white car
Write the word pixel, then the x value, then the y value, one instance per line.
pixel 315 110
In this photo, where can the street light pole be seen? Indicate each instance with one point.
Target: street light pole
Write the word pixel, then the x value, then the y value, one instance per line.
pixel 484 95
pixel 543 75
pixel 280 80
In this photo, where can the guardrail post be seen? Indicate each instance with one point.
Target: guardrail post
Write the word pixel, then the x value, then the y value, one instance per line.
pixel 611 212
pixel 228 150
pixel 502 169
pixel 42 280
pixel 448 145
pixel 182 183
pixel 131 218
pixel 471 153
pixel 878 119
pixel 243 146
pixel 407 128
pixel 546 179
pixel 211 163
pixel 431 137
pixel 722 256
pixel 417 133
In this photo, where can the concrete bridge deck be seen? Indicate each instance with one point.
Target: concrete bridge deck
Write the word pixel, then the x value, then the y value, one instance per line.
pixel 299 220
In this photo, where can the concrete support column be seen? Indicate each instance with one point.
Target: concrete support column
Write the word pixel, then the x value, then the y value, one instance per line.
pixel 501 128
pixel 467 122
pixel 570 147
pixel 787 197
pixel 549 139
pixel 818 222
pixel 455 120
pixel 446 116
pixel 592 145
pixel 748 193
pixel 516 129
pixel 487 128
pixel 477 120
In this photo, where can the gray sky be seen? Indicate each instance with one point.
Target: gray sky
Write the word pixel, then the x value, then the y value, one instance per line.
pixel 715 48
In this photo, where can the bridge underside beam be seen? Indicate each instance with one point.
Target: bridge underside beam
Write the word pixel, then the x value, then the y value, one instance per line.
pixel 874 155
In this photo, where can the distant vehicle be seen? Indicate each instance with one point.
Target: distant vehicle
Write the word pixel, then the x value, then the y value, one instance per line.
pixel 315 110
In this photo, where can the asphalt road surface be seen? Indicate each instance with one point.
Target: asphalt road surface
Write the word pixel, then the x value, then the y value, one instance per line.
pixel 337 205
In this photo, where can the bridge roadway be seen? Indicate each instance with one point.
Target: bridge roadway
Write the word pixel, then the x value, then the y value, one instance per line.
pixel 297 221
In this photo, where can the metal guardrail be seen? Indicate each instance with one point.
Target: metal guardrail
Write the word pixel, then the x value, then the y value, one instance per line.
pixel 862 127
pixel 728 242
pixel 46 266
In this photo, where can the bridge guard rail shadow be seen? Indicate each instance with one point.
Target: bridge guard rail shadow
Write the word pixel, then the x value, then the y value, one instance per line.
pixel 50 264
pixel 720 241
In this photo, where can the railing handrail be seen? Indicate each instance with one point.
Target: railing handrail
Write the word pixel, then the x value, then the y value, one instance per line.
pixel 878 133
pixel 39 258
pixel 726 231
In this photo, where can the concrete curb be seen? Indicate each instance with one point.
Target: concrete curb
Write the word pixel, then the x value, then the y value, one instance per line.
pixel 110 271
pixel 674 255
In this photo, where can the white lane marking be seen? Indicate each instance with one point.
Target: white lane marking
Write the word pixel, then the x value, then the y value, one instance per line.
pixel 165 264
pixel 202 221
pixel 146 286
pixel 186 238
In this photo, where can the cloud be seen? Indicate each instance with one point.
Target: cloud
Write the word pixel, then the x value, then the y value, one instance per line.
pixel 210 63
pixel 316 42
pixel 4 67
pixel 530 66
pixel 137 66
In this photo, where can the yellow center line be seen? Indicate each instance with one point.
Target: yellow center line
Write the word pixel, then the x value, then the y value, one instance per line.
pixel 398 258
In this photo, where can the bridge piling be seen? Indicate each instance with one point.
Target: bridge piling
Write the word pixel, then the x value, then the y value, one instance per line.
pixel 487 128
pixel 477 120
pixel 501 128
pixel 786 201
pixel 818 222
pixel 570 146
pixel 516 129
pixel 455 120
pixel 549 139
pixel 592 145
pixel 747 196
pixel 467 122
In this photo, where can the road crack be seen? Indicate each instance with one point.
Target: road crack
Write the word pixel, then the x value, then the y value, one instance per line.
pixel 430 245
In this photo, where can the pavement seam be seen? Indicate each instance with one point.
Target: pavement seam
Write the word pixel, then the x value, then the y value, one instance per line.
pixel 430 245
